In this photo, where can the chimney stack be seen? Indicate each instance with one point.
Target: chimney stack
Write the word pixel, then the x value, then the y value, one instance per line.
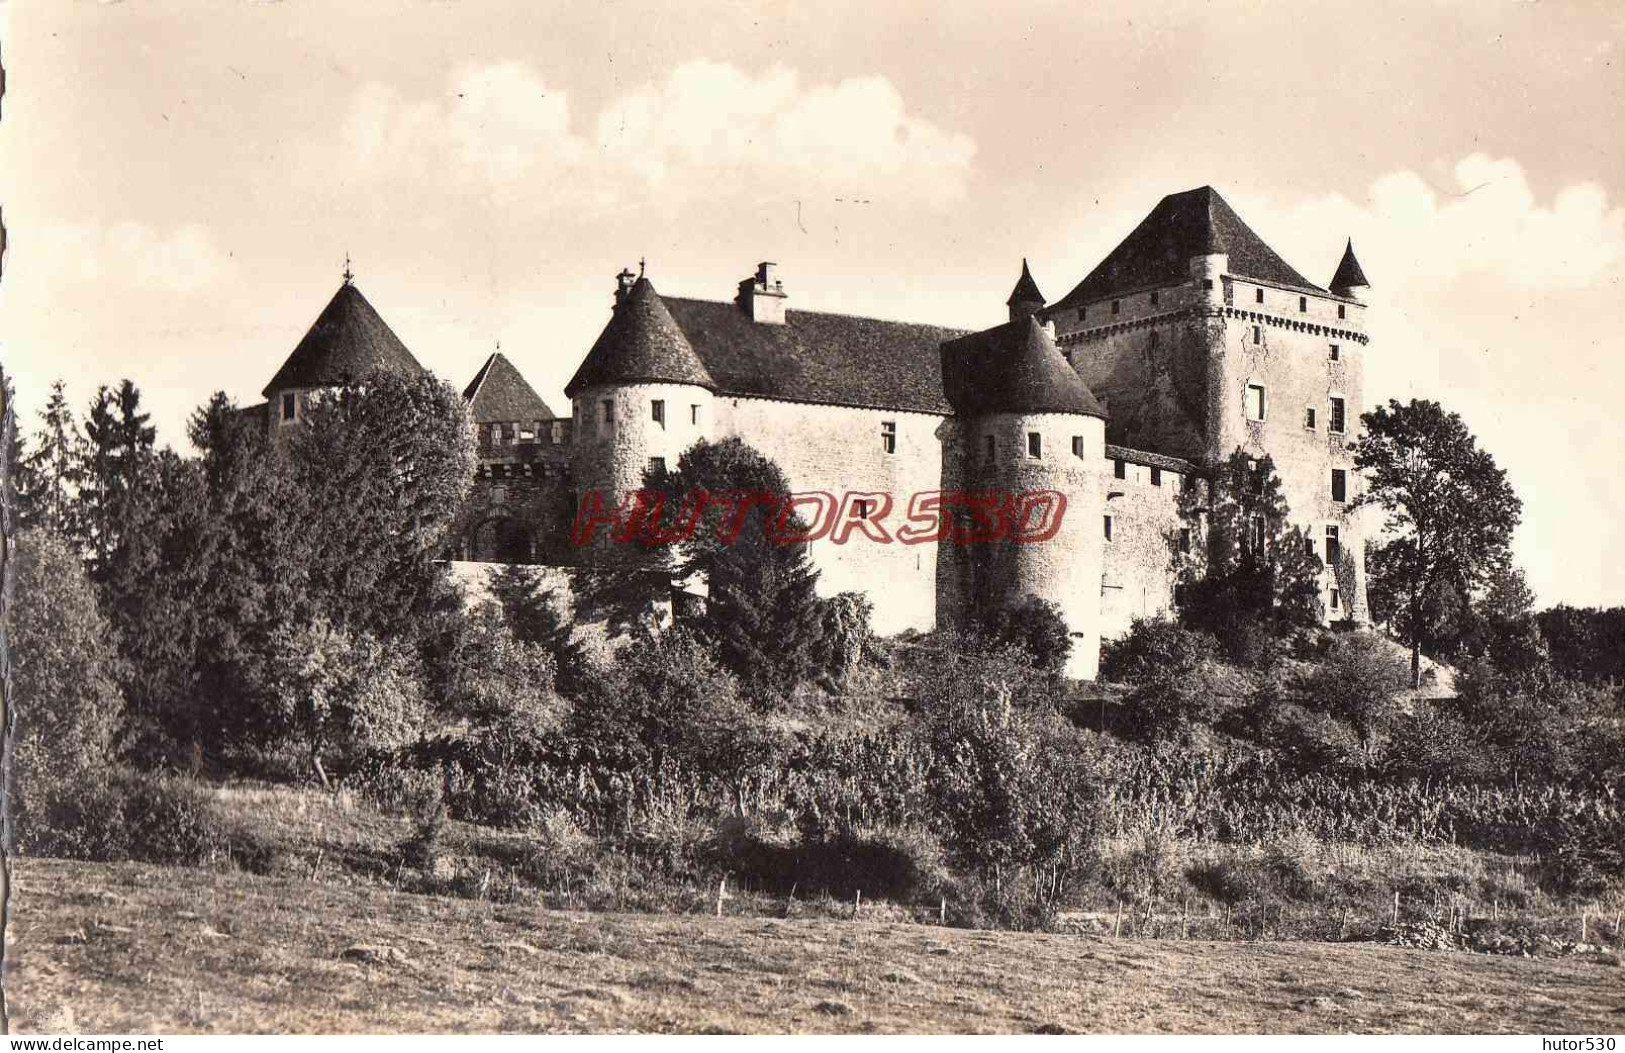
pixel 762 297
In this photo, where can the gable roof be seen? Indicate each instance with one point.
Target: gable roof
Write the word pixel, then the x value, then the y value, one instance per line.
pixel 347 340
pixel 1026 290
pixel 499 392
pixel 1192 223
pixel 1013 368
pixel 642 342
pixel 1349 275
pixel 836 359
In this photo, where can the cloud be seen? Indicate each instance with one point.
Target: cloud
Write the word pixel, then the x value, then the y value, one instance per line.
pixel 707 129
pixel 136 255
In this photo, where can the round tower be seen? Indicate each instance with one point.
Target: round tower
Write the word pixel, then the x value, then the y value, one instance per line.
pixel 1032 427
pixel 640 398
pixel 1350 280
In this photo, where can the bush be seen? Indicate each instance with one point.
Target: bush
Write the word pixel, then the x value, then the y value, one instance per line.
pixel 122 816
pixel 1155 648
pixel 1360 681
pixel 1035 626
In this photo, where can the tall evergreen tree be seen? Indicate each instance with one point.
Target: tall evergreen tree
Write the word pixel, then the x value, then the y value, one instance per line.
pixel 117 462
pixel 49 475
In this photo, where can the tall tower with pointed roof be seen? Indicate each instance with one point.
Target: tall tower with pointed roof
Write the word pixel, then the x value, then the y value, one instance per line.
pixel 1202 339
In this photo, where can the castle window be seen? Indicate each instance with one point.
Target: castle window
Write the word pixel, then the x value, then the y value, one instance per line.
pixel 609 411
pixel 990 449
pixel 1309 417
pixel 1334 547
pixel 1156 477
pixel 657 466
pixel 1337 421
pixel 1255 402
pixel 1153 338
pixel 1342 310
pixel 1120 468
pixel 1340 485
pixel 1184 541
pixel 657 410
pixel 1258 295
pixel 862 508
pixel 1077 446
pixel 1207 283
pixel 1108 527
pixel 1035 444
pixel 1083 312
pixel 1303 304
pixel 290 405
pixel 1154 299
pixel 558 432
pixel 694 414
pixel 1334 352
pixel 496 435
pixel 888 436
pixel 1337 600
pixel 1117 306
pixel 527 435
pixel 1258 334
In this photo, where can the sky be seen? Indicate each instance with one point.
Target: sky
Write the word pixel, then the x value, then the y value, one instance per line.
pixel 182 182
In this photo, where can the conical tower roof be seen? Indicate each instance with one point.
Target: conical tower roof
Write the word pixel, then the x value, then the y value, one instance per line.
pixel 1026 290
pixel 347 340
pixel 1349 275
pixel 642 342
pixel 499 392
pixel 1013 368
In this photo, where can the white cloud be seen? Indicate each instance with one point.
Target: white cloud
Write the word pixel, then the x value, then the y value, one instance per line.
pixel 707 128
pixel 136 255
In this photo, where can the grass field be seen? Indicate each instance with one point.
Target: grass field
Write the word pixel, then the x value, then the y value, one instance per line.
pixel 144 949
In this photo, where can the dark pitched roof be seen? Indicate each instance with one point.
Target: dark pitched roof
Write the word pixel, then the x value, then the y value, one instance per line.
pixel 641 342
pixel 347 340
pixel 1026 290
pixel 814 357
pixel 499 393
pixel 1013 368
pixel 1193 223
pixel 1349 275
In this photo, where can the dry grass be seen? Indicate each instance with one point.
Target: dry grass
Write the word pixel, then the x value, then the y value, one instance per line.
pixel 142 949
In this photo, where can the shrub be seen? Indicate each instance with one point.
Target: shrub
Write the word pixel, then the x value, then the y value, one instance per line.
pixel 1035 626
pixel 563 851
pixel 1155 648
pixel 1360 681
pixel 122 816
pixel 391 785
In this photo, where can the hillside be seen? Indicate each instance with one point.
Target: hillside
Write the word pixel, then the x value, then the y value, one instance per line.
pixel 140 949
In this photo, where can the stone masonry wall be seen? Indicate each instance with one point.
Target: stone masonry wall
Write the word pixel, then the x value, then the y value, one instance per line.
pixel 1139 576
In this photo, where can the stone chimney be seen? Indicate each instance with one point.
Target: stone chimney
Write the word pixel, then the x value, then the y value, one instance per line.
pixel 762 297
pixel 623 284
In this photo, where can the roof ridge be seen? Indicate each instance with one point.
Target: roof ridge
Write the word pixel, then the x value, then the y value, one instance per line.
pixel 830 314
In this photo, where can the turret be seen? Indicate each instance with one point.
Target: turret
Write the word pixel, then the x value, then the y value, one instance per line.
pixel 1025 299
pixel 1028 425
pixel 1350 280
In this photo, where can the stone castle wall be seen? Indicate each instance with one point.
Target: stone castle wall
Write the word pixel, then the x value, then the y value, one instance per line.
pixel 1138 580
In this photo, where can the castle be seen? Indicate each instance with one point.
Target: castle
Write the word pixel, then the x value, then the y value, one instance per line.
pixel 1191 339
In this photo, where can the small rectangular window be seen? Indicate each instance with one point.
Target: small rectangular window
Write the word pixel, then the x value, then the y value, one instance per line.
pixel 1337 421
pixel 1207 283
pixel 1185 541
pixel 496 435
pixel 1108 526
pixel 1337 600
pixel 1117 306
pixel 290 405
pixel 1077 446
pixel 861 508
pixel 1258 334
pixel 609 411
pixel 1342 311
pixel 1153 299
pixel 1120 468
pixel 1334 352
pixel 1340 482
pixel 1309 417
pixel 1334 547
pixel 1303 304
pixel 1255 402
pixel 1258 295
pixel 888 436
pixel 990 448
pixel 1083 312
pixel 558 432
pixel 1035 444
pixel 1156 477
pixel 657 410
pixel 657 465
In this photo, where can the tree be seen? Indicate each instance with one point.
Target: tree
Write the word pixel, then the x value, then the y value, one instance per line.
pixel 1034 625
pixel 1165 663
pixel 117 467
pixel 48 477
pixel 502 687
pixel 1450 510
pixel 534 614
pixel 1359 681
pixel 1254 570
pixel 762 613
